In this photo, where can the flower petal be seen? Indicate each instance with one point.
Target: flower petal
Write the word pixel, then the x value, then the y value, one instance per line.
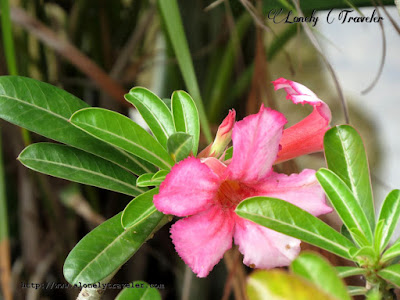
pixel 263 247
pixel 255 145
pixel 302 190
pixel 188 189
pixel 218 167
pixel 306 136
pixel 201 240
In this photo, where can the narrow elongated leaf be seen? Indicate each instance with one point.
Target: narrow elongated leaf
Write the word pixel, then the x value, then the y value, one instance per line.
pixel 108 246
pixel 392 252
pixel 179 145
pixel 317 270
pixel 390 214
pixel 228 153
pixel 139 290
pixel 288 219
pixel 347 207
pixel 154 111
pixel 277 284
pixel 145 180
pixel 357 290
pixel 391 274
pixel 79 166
pixel 173 24
pixel 346 157
pixel 45 109
pixel 345 271
pixel 160 175
pixel 138 208
pixel 123 133
pixel 186 116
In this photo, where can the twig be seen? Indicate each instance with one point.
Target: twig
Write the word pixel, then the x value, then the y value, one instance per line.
pixel 136 36
pixel 69 52
pixel 213 5
pixel 383 56
pixel 187 282
pixel 396 27
pixel 317 47
pixel 40 272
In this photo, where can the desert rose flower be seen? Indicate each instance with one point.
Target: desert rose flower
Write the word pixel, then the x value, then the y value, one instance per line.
pixel 206 191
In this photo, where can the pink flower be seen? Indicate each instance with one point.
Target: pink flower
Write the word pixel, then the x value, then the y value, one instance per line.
pixel 208 191
pixel 306 136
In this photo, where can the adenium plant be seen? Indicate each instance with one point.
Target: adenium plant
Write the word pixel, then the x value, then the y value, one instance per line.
pixel 223 194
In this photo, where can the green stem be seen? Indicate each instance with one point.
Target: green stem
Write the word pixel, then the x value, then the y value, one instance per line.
pixel 7 37
pixel 172 19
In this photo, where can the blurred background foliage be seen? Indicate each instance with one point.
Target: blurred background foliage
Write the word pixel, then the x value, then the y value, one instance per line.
pixel 98 50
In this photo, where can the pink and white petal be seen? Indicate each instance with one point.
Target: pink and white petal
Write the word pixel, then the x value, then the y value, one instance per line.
pixel 264 248
pixel 255 145
pixel 201 240
pixel 302 190
pixel 188 189
pixel 306 136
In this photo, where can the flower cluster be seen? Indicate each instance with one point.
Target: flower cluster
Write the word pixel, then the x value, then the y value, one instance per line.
pixel 206 190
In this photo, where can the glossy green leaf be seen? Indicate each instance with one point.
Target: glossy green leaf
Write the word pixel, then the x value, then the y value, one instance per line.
pixel 45 109
pixel 346 157
pixel 378 235
pixel 288 219
pixel 108 246
pixel 154 111
pixel 179 145
pixel 357 290
pixel 139 290
pixel 277 284
pixel 364 255
pixel 79 166
pixel 345 271
pixel 390 213
pixel 160 175
pixel 150 179
pixel 186 117
pixel 317 270
pixel 391 274
pixel 359 237
pixel 138 209
pixel 122 132
pixel 392 252
pixel 347 207
pixel 145 180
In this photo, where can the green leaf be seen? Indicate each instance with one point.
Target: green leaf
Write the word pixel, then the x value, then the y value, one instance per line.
pixel 277 284
pixel 46 109
pixel 145 180
pixel 150 179
pixel 347 207
pixel 346 157
pixel 392 252
pixel 138 208
pixel 154 111
pixel 345 271
pixel 122 132
pixel 359 237
pixel 173 24
pixel 288 219
pixel 79 166
pixel 378 235
pixel 160 175
pixel 316 269
pixel 390 213
pixel 364 255
pixel 346 233
pixel 391 274
pixel 139 290
pixel 179 145
pixel 228 153
pixel 186 116
pixel 357 290
pixel 108 247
